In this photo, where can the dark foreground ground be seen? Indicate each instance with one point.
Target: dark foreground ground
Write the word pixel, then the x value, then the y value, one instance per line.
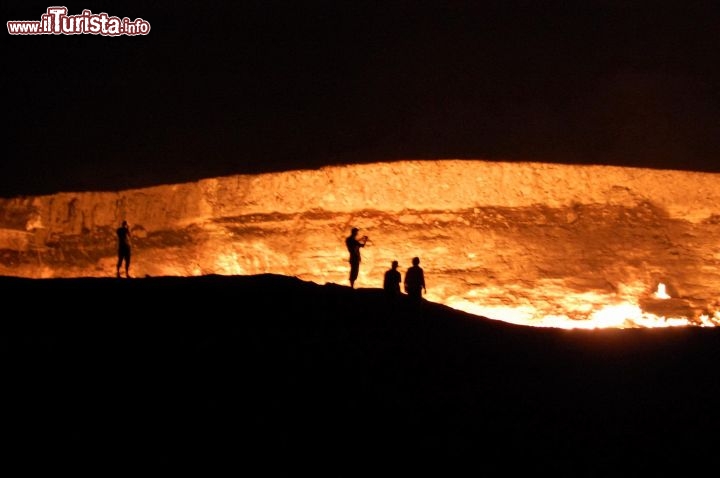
pixel 269 375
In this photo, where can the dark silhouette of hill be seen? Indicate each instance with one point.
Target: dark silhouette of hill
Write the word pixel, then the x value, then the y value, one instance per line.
pixel 273 375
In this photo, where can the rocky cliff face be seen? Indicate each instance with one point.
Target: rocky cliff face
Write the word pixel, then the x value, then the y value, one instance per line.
pixel 533 243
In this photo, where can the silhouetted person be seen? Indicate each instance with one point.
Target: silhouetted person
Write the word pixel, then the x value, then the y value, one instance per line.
pixel 353 246
pixel 124 248
pixel 415 280
pixel 391 282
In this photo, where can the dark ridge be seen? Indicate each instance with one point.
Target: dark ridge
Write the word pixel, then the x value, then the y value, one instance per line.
pixel 279 375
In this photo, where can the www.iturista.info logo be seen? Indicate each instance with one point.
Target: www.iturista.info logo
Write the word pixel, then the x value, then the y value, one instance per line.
pixel 56 21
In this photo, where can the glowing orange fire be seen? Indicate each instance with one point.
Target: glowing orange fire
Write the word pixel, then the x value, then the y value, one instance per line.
pixel 528 243
pixel 660 293
pixel 595 312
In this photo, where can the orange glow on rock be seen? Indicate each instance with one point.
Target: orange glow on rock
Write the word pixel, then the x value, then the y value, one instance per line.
pixel 535 244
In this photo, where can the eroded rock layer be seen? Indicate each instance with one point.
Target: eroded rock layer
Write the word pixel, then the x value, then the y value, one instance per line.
pixel 534 243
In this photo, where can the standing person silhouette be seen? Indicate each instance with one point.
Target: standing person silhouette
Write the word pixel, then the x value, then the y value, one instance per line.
pixel 353 246
pixel 124 248
pixel 415 280
pixel 391 282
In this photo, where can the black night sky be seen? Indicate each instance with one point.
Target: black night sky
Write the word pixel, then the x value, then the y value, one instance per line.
pixel 248 86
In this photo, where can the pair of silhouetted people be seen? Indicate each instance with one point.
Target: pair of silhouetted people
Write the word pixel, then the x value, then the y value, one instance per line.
pixel 353 245
pixel 124 248
pixel 414 282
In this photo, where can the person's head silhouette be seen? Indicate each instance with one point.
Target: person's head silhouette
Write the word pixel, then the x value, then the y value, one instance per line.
pixel 416 261
pixel 395 264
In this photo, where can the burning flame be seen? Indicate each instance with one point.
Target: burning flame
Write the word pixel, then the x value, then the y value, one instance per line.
pixel 589 311
pixel 660 293
pixel 515 242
